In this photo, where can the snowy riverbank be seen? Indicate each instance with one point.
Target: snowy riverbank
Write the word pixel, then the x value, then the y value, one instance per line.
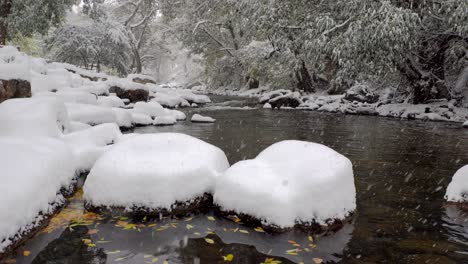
pixel 358 101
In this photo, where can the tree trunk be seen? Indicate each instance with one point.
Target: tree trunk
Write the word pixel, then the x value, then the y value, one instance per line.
pixel 137 60
pixel 5 9
pixel 304 80
pixel 461 88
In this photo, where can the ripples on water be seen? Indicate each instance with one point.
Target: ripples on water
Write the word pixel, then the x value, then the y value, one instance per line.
pixel 402 169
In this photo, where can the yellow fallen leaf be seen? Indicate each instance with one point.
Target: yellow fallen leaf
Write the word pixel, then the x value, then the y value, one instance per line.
pixel 188 219
pixel 292 252
pixel 260 230
pixel 292 242
pixel 26 253
pixel 197 233
pixel 91 245
pixel 189 226
pixel 152 225
pixel 112 252
pixel 209 241
pixel 317 260
pixel 166 262
pixel 87 241
pixel 211 218
pixel 121 223
pixel 174 225
pixel 296 245
pixel 229 257
pixel 154 260
pixel 160 229
pixel 235 230
pixel 311 239
pixel 148 256
pixel 312 246
pixel 243 231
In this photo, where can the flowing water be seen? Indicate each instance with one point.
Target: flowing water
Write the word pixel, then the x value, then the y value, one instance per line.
pixel 402 169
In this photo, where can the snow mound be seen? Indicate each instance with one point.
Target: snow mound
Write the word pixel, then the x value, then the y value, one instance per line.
pixel 33 172
pixel 110 101
pixel 267 106
pixel 33 117
pixel 178 115
pixel 14 64
pixel 154 171
pixel 457 191
pixel 152 109
pixel 196 118
pixel 465 125
pixel 77 126
pixel 142 119
pixel 91 143
pixel 91 114
pixel 165 121
pixel 288 183
pixel 124 117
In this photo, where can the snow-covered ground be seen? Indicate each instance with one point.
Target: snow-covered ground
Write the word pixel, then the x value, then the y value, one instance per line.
pixel 288 183
pixel 155 171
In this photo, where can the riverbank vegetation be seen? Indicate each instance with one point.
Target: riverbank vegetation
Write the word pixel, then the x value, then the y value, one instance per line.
pixel 417 47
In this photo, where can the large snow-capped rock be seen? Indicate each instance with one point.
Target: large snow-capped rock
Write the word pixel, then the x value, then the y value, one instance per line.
pixel 33 172
pixel 154 171
pixel 33 117
pixel 289 183
pixel 457 191
pixel 89 144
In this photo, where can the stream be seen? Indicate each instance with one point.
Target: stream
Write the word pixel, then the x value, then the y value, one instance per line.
pixel 402 169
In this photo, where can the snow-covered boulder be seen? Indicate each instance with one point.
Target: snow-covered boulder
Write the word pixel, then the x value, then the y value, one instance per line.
pixel 33 174
pixel 89 144
pixel 77 126
pixel 165 121
pixel 91 114
pixel 154 171
pixel 125 89
pixel 290 183
pixel 33 117
pixel 170 100
pixel 196 118
pixel 152 109
pixel 141 78
pixel 124 117
pixel 178 115
pixel 267 106
pixel 457 191
pixel 288 100
pixel 361 93
pixel 110 101
pixel 465 125
pixel 140 119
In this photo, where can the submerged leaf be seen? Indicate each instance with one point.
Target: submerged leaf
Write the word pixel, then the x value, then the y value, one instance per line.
pixel 209 241
pixel 229 257
pixel 26 253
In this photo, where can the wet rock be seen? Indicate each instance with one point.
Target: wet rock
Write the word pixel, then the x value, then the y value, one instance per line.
pixel 142 80
pixel 134 95
pixel 287 100
pixel 14 89
pixel 361 93
pixel 179 209
pixel 69 248
pixel 199 251
pixel 312 227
